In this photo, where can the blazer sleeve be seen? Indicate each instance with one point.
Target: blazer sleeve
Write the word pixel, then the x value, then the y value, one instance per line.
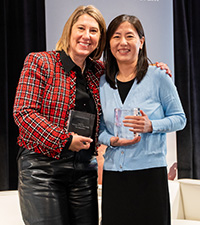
pixel 33 126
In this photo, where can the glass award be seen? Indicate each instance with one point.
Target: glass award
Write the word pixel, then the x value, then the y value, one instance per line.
pixel 119 129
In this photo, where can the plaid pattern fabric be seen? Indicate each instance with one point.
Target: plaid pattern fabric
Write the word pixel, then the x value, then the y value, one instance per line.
pixel 44 96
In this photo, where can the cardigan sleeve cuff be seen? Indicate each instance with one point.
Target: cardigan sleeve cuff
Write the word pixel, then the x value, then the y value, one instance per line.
pixel 157 126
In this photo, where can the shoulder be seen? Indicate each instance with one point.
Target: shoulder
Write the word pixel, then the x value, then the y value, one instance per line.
pixel 104 86
pixel 102 80
pixel 45 54
pixel 155 73
pixel 97 67
pixel 158 79
pixel 98 64
pixel 40 58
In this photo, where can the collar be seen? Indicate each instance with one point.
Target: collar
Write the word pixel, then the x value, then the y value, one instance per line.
pixel 69 65
pixel 67 62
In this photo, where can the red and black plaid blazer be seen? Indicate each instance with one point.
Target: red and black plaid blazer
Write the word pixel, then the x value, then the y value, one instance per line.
pixel 44 96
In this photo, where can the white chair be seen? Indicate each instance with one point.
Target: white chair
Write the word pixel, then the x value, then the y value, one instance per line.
pixel 185 201
pixel 10 213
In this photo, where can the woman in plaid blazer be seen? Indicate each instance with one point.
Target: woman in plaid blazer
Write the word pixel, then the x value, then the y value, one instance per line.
pixel 57 168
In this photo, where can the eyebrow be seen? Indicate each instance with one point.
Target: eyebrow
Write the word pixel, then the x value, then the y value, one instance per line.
pixel 80 24
pixel 130 32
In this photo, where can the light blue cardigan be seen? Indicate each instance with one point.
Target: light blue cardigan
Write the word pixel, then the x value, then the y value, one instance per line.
pixel 157 96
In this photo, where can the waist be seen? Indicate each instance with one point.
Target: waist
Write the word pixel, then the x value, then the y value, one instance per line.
pixel 72 160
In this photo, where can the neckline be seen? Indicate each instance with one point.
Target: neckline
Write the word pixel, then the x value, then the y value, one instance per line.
pixel 126 82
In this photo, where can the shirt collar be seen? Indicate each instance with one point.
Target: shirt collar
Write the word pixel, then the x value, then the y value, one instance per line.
pixel 69 65
pixel 67 62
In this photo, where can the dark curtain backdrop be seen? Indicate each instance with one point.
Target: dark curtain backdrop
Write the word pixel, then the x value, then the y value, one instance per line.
pixel 187 79
pixel 22 31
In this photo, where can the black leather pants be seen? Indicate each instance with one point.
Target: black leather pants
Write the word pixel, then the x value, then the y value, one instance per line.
pixel 54 192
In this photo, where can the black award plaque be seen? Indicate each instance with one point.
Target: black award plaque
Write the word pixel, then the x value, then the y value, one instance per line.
pixel 81 123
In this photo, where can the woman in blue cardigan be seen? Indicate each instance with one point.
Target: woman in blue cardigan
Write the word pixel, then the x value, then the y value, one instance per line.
pixel 135 185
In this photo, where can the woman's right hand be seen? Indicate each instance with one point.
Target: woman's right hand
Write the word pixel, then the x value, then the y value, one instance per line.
pixel 80 142
pixel 115 141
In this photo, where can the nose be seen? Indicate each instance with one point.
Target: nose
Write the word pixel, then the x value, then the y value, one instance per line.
pixel 123 41
pixel 86 34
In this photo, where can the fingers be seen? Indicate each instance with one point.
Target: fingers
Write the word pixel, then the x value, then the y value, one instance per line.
pixel 142 113
pixel 85 142
pixel 80 142
pixel 163 66
pixel 115 141
pixel 138 124
pixel 125 142
pixel 85 139
pixel 132 117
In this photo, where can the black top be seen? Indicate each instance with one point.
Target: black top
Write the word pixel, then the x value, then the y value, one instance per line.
pixel 84 100
pixel 124 88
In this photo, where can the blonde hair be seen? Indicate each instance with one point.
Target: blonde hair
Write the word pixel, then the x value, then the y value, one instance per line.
pixel 63 43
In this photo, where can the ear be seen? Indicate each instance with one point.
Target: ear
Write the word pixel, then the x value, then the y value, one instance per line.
pixel 142 42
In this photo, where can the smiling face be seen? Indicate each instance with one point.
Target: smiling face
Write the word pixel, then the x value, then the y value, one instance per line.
pixel 84 39
pixel 126 43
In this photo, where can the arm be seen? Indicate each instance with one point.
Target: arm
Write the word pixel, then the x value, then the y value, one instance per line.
pixel 104 135
pixel 173 118
pixel 34 127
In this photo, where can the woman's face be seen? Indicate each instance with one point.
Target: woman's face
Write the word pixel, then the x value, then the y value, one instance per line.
pixel 126 43
pixel 84 38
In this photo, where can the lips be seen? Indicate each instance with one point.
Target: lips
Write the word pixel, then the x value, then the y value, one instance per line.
pixel 123 51
pixel 85 44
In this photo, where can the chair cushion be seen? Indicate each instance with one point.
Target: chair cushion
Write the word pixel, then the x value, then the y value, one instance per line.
pixel 190 191
pixel 185 222
pixel 175 200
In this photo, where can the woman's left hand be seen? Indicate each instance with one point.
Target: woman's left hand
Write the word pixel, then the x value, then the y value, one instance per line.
pixel 115 141
pixel 164 66
pixel 138 124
